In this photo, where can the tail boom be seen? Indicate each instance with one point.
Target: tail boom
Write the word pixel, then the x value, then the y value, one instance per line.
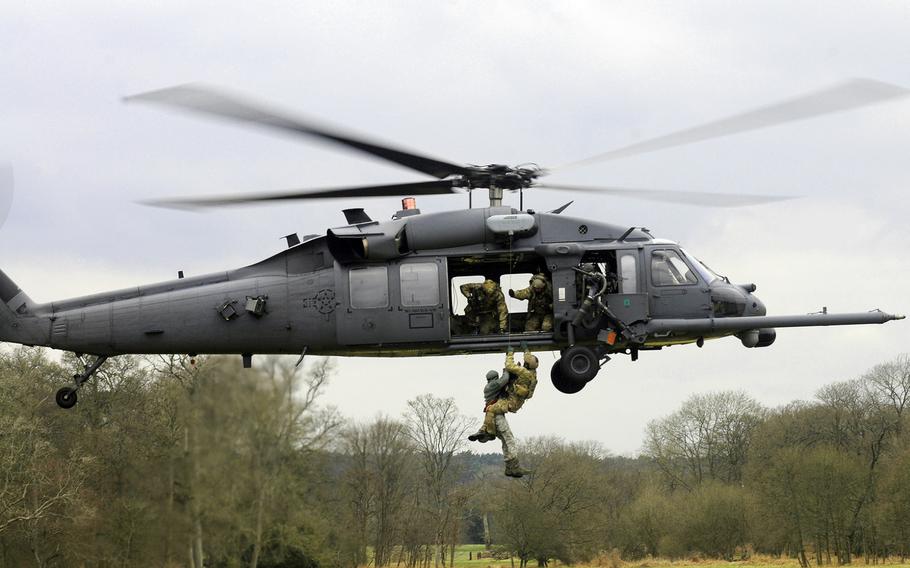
pixel 18 323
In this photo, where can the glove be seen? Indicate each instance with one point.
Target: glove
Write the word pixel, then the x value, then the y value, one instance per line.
pixel 523 345
pixel 511 292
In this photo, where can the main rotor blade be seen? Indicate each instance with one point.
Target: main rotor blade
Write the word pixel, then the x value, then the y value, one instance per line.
pixel 207 100
pixel 391 190
pixel 845 96
pixel 700 198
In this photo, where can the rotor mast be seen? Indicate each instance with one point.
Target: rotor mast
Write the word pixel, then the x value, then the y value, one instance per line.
pixel 495 196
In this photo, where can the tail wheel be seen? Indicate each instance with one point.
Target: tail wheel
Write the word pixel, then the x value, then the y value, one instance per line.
pixel 563 384
pixel 579 364
pixel 66 397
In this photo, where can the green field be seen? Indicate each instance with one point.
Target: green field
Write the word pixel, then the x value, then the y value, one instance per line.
pixel 466 556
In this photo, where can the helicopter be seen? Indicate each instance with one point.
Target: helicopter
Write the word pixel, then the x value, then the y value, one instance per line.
pixel 392 288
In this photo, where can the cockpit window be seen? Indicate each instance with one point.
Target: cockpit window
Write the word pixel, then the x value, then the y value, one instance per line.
pixel 669 269
pixel 706 273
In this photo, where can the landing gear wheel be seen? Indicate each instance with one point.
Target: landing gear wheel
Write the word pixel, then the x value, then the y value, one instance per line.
pixel 579 364
pixel 66 397
pixel 563 384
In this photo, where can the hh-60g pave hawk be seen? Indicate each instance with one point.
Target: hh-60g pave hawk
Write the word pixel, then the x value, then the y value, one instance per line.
pixel 392 288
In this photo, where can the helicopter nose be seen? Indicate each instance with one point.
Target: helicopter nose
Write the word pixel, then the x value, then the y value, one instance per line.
pixel 754 306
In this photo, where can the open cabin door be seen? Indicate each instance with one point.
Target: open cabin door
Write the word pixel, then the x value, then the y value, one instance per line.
pixel 397 302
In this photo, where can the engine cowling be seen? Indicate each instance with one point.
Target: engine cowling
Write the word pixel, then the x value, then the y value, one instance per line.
pixel 375 241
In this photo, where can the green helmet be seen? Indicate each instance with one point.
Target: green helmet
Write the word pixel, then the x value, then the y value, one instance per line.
pixel 492 375
pixel 538 282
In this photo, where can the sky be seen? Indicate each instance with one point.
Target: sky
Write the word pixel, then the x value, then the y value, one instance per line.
pixel 499 81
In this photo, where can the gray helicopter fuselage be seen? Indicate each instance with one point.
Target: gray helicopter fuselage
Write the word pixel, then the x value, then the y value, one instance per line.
pixel 389 289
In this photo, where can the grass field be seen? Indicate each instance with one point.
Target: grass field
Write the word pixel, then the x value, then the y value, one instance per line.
pixel 466 557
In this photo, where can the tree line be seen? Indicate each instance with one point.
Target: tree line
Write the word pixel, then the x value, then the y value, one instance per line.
pixel 170 461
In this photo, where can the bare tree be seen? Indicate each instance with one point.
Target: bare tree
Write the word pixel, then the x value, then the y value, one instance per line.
pixel 35 483
pixel 190 374
pixel 557 511
pixel 284 419
pixel 438 429
pixel 707 438
pixel 889 383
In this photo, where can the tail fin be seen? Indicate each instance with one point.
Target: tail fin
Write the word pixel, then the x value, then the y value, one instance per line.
pixel 18 323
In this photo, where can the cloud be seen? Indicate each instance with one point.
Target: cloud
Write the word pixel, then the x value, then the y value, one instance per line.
pixel 503 82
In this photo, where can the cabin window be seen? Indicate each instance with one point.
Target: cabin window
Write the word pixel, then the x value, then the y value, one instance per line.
pixel 668 269
pixel 369 287
pixel 628 273
pixel 419 284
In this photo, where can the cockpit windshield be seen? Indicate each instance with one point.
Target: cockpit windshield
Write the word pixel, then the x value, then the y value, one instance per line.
pixel 706 273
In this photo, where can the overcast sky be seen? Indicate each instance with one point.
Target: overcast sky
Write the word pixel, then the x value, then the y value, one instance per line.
pixel 477 82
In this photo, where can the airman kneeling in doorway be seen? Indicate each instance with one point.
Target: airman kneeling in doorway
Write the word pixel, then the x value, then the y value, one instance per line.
pixel 486 311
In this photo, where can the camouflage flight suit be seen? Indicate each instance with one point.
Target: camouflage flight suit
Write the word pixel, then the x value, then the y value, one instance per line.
pixel 495 388
pixel 540 303
pixel 520 389
pixel 486 311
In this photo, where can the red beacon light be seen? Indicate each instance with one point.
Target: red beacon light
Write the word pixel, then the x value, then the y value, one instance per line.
pixel 408 208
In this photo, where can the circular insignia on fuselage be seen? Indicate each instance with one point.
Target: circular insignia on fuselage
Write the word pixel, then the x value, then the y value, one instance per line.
pixel 325 301
pixel 582 229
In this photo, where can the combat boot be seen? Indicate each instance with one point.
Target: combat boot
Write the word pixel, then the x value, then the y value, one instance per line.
pixel 481 436
pixel 513 469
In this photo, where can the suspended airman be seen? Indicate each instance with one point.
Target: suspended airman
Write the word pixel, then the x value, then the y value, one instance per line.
pixel 539 295
pixel 520 385
pixel 486 311
pixel 494 389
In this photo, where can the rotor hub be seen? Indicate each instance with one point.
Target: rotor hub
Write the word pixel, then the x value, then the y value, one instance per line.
pixel 500 176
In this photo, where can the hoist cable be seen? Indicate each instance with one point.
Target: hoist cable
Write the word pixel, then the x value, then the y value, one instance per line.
pixel 509 316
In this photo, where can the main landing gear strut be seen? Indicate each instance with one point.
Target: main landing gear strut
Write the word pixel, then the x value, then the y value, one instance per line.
pixel 66 397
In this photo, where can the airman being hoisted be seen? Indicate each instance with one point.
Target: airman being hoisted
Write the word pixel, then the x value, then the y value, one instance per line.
pixel 507 393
